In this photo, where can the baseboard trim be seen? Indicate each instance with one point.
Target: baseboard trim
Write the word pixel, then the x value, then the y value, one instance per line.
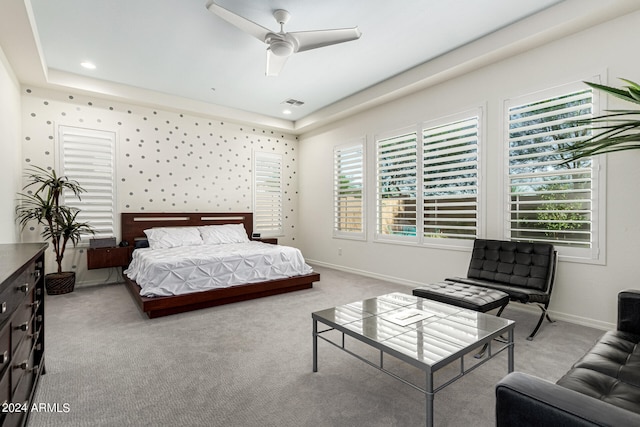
pixel 555 315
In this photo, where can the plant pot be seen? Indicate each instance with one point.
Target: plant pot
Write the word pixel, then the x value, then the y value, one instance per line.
pixel 60 283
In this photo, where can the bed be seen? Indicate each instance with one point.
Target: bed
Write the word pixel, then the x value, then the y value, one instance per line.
pixel 133 233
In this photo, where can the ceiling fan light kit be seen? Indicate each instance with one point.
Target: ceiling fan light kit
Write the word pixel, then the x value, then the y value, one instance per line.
pixel 281 45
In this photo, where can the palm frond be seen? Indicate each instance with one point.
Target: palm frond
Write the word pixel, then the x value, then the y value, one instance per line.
pixel 618 130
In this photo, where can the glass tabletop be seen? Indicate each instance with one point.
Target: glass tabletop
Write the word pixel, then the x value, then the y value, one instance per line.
pixel 424 330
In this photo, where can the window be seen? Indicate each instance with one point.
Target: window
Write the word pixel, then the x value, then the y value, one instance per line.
pixel 348 184
pixel 267 194
pixel 450 176
pixel 397 176
pixel 428 182
pixel 88 157
pixel 548 200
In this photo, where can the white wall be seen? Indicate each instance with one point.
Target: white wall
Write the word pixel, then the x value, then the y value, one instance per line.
pixel 166 161
pixel 10 146
pixel 584 293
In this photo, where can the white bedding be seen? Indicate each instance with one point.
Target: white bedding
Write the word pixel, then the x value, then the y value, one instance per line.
pixel 186 269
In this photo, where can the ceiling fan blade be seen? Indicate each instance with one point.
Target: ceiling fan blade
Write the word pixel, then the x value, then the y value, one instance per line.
pixel 308 40
pixel 249 27
pixel 274 63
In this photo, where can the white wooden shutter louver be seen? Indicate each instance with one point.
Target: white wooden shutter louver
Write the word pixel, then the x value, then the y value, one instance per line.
pixel 397 185
pixel 348 190
pixel 450 176
pixel 88 157
pixel 268 215
pixel 549 201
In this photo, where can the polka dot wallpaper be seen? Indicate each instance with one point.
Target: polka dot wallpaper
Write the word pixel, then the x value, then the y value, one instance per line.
pixel 166 161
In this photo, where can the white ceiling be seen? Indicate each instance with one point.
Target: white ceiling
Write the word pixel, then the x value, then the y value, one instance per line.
pixel 177 49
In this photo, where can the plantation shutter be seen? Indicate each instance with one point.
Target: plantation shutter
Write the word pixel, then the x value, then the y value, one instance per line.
pixel 267 209
pixel 88 157
pixel 450 176
pixel 348 177
pixel 550 201
pixel 397 168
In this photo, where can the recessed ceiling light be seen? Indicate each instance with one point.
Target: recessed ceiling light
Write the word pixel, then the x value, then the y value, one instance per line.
pixel 287 112
pixel 88 65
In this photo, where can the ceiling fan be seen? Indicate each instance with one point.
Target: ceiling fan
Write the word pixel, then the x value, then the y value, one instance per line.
pixel 281 45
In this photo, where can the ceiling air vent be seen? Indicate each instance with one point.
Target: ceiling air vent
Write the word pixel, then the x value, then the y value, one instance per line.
pixel 293 102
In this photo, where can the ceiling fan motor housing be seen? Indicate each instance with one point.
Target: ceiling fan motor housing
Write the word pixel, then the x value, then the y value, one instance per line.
pixel 281 47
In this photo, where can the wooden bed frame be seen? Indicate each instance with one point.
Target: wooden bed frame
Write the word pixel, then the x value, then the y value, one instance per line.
pixel 133 226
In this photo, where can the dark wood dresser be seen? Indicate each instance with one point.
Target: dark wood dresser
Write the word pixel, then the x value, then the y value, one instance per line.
pixel 21 328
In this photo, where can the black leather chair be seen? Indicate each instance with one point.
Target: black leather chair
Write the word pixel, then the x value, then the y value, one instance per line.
pixel 523 271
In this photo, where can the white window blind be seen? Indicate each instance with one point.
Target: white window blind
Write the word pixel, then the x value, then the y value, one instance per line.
pixel 450 177
pixel 348 184
pixel 88 157
pixel 550 201
pixel 267 209
pixel 397 181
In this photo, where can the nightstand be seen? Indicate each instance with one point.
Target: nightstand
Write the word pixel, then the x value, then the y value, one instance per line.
pixel 108 257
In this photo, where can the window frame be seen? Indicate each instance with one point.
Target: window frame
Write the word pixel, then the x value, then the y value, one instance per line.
pixel 64 133
pixel 347 147
pixel 259 156
pixel 419 129
pixel 478 113
pixel 596 254
pixel 386 136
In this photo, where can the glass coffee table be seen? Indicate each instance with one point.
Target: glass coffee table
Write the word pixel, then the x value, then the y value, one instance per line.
pixel 423 333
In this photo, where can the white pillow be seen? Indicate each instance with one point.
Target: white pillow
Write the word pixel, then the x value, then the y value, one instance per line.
pixel 227 233
pixel 171 237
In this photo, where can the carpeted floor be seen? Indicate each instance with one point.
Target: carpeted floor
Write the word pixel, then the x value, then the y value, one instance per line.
pixel 249 364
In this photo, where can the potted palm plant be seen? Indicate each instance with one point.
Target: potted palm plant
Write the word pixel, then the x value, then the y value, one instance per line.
pixel 59 223
pixel 618 130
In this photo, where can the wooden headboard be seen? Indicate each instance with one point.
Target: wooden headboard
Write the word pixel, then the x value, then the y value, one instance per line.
pixel 134 224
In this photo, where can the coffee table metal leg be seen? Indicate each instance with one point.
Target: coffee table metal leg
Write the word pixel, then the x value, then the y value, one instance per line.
pixel 315 345
pixel 429 395
pixel 511 350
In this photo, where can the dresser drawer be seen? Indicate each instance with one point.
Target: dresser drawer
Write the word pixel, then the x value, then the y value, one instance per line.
pixel 21 365
pixel 11 296
pixel 5 348
pixel 22 322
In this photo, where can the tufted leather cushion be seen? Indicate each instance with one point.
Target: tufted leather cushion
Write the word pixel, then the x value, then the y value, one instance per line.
pixel 610 371
pixel 602 387
pixel 462 295
pixel 527 265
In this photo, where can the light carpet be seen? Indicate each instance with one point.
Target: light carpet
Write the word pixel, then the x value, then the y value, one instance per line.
pixel 250 364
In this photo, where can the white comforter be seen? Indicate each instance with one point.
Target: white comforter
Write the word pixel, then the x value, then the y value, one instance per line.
pixel 186 269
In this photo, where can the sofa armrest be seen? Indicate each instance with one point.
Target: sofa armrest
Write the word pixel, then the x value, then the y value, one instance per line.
pixel 526 401
pixel 629 311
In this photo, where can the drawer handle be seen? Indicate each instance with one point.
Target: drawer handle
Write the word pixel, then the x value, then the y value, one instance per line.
pixel 24 288
pixel 24 365
pixel 23 327
pixel 4 357
pixel 3 307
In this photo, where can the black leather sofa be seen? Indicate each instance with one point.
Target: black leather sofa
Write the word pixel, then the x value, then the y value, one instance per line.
pixel 601 389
